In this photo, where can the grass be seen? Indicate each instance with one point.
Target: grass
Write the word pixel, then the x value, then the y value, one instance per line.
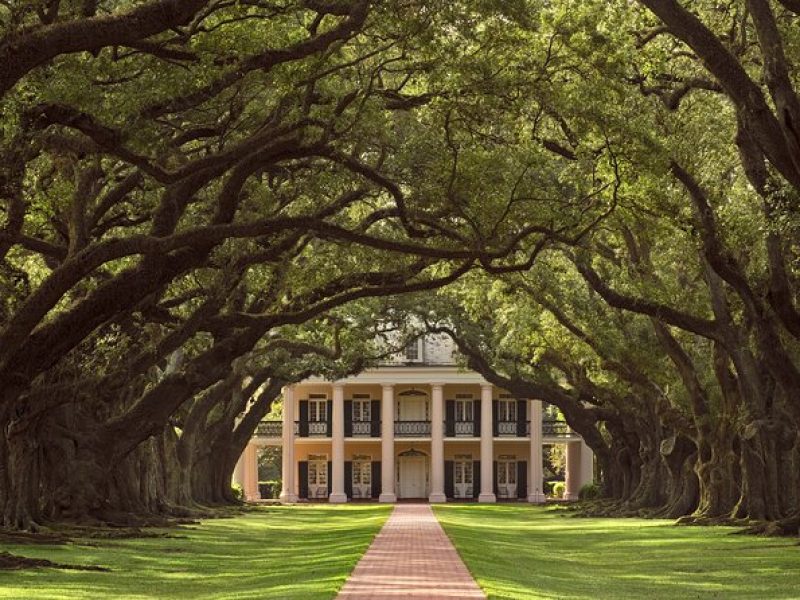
pixel 302 552
pixel 531 552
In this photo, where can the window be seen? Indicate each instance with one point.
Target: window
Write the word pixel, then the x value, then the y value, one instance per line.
pixel 413 350
pixel 507 410
pixel 318 470
pixel 362 409
pixel 464 409
pixel 317 410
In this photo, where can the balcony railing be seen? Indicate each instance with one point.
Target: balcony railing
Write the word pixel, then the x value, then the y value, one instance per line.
pixel 556 428
pixel 274 429
pixel 465 428
pixel 362 428
pixel 507 428
pixel 270 428
pixel 412 428
pixel 318 428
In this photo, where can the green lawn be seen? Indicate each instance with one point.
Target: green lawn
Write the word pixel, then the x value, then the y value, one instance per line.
pixel 302 552
pixel 526 552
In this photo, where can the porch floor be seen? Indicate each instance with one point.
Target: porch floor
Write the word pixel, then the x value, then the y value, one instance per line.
pixel 411 557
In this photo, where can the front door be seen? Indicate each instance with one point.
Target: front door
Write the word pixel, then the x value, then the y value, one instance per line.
pixel 412 477
pixel 362 478
pixel 462 478
pixel 507 478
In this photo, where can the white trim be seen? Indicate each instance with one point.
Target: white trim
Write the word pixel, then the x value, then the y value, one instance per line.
pixel 402 374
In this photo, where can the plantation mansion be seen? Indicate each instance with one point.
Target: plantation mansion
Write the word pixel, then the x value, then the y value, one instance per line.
pixel 415 427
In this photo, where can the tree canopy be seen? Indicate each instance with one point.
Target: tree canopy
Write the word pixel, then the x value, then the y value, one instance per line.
pixel 204 200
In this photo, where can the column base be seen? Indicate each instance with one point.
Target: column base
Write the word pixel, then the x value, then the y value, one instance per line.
pixel 437 498
pixel 570 496
pixel 389 498
pixel 288 498
pixel 537 498
pixel 487 498
pixel 252 497
pixel 337 498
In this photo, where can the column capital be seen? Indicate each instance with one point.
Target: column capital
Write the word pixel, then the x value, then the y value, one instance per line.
pixel 437 384
pixel 337 385
pixel 487 386
pixel 387 387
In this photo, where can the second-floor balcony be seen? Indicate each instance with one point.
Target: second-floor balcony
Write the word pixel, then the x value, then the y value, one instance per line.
pixel 405 429
pixel 552 428
pixel 412 428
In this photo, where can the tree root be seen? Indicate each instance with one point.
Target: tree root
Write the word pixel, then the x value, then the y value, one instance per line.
pixel 9 562
pixel 25 537
pixel 789 527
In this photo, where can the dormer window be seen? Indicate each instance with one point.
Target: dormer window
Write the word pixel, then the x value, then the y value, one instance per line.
pixel 413 351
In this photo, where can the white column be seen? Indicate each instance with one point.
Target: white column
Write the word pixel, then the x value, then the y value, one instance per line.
pixel 573 475
pixel 487 446
pixel 387 445
pixel 250 486
pixel 287 452
pixel 437 444
pixel 337 446
pixel 535 469
pixel 587 465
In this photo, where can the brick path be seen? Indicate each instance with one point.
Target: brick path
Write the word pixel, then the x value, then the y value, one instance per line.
pixel 411 557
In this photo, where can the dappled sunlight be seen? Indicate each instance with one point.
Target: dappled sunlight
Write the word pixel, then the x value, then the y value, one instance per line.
pixel 277 552
pixel 532 552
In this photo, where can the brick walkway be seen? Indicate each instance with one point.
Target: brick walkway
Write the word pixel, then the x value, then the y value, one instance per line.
pixel 411 558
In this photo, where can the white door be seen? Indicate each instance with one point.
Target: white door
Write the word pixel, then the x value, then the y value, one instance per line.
pixel 317 479
pixel 462 478
pixel 507 478
pixel 362 479
pixel 412 477
pixel 412 409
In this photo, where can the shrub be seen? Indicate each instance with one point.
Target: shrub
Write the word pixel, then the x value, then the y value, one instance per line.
pixel 236 489
pixel 590 491
pixel 270 489
pixel 559 487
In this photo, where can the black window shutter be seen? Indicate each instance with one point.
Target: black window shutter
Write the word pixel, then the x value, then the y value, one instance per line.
pixel 450 418
pixel 449 487
pixel 495 487
pixel 348 418
pixel 522 479
pixel 495 417
pixel 329 425
pixel 303 478
pixel 521 418
pixel 375 425
pixel 348 478
pixel 330 477
pixel 303 429
pixel 476 415
pixel 376 478
pixel 476 478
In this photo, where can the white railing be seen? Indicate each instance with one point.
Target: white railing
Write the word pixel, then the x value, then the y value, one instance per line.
pixel 317 428
pixel 507 427
pixel 362 428
pixel 466 428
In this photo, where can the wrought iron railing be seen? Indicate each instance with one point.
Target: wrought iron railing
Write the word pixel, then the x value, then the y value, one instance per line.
pixel 507 428
pixel 318 428
pixel 556 428
pixel 270 428
pixel 412 428
pixel 362 428
pixel 465 428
